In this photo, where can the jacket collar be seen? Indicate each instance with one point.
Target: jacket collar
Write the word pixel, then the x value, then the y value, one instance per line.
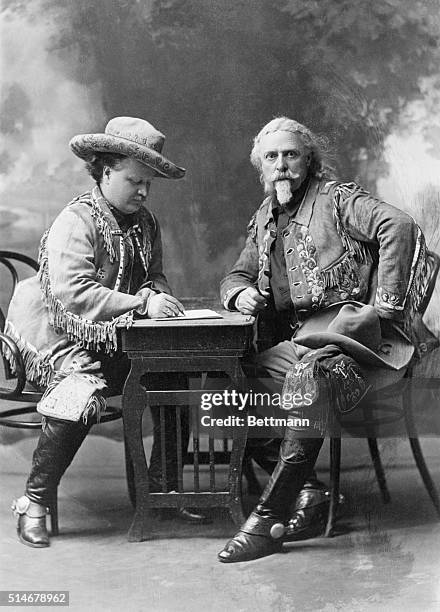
pixel 305 210
pixel 107 212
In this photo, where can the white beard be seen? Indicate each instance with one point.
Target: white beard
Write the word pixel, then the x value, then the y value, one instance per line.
pixel 284 191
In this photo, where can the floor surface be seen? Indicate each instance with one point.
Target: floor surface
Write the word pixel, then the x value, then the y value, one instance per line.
pixel 387 557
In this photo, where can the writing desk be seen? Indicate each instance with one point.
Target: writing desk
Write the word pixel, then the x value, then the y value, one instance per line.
pixel 179 345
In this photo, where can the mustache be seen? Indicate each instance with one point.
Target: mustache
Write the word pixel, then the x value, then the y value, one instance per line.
pixel 284 176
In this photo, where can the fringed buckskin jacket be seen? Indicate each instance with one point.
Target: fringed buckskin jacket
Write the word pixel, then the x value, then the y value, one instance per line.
pixel 86 285
pixel 341 244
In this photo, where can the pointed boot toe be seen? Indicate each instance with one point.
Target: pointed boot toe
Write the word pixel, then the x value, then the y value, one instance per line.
pixel 247 547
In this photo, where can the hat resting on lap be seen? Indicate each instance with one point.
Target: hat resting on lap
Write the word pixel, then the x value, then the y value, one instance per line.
pixel 135 138
pixel 355 328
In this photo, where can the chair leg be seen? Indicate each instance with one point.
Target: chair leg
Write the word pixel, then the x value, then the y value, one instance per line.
pixel 378 468
pixel 418 454
pixel 424 473
pixel 53 511
pixel 335 471
pixel 419 458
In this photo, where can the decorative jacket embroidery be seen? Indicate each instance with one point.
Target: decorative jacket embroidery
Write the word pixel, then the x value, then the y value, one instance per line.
pixel 352 266
pixel 309 265
pixel 103 227
pixel 264 260
pixel 416 287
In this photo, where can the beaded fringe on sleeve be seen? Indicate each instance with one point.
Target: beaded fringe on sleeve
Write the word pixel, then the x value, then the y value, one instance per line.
pixel 92 335
pixel 417 282
pixel 38 366
pixel 359 251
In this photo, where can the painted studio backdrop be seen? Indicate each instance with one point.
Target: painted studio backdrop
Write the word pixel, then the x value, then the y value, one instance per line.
pixel 209 74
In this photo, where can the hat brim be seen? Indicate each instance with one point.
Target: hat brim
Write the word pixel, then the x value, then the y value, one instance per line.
pixel 398 355
pixel 313 335
pixel 86 145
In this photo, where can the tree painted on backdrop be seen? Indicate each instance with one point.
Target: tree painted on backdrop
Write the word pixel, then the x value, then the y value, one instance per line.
pixel 209 74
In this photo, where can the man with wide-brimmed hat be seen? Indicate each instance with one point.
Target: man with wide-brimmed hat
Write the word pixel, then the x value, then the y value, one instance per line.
pixel 100 266
pixel 336 277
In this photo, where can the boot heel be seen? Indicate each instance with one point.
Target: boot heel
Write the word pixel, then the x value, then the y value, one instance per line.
pixel 31 523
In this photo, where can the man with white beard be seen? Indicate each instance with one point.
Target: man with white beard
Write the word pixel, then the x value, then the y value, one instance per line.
pixel 319 253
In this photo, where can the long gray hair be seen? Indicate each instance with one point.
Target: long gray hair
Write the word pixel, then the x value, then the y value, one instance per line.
pixel 317 145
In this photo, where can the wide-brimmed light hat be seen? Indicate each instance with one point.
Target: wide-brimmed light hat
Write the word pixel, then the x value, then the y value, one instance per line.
pixel 135 138
pixel 355 328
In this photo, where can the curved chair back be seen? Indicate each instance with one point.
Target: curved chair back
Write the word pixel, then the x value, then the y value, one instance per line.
pixel 11 271
pixel 404 412
pixel 10 274
pixel 433 262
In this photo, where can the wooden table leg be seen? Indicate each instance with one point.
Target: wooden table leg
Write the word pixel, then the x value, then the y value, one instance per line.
pixel 134 403
pixel 129 473
pixel 239 440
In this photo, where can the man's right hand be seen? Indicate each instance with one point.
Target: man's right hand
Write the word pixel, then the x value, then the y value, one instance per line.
pixel 163 305
pixel 250 301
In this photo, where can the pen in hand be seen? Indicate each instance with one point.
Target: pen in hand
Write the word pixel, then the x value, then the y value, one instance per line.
pixel 251 300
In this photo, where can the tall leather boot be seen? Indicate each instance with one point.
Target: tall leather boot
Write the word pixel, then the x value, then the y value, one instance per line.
pixel 255 538
pixel 265 453
pixel 312 505
pixel 58 443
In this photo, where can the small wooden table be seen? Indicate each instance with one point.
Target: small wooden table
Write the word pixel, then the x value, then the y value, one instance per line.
pixel 179 345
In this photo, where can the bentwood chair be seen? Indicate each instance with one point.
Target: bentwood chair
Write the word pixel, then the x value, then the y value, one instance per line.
pixel 23 393
pixel 25 416
pixel 393 403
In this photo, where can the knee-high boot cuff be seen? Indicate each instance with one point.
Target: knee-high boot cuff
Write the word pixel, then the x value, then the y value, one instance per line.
pixel 297 459
pixel 282 489
pixel 59 441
